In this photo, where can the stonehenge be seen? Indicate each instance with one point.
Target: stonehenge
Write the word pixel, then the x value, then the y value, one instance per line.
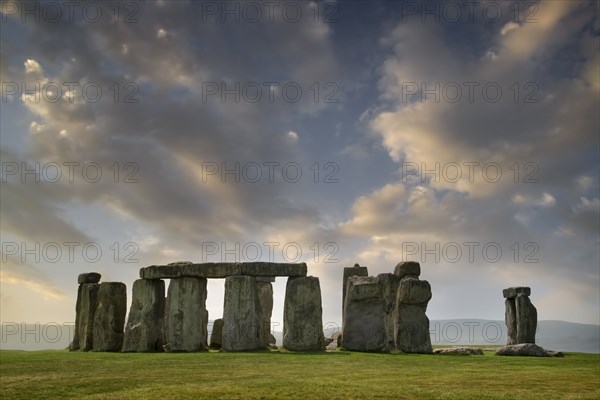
pixel 242 319
pixel 302 315
pixel 109 317
pixel 144 330
pixel 386 312
pixel 520 315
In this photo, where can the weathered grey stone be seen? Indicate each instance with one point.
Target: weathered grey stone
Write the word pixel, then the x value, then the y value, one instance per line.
pixel 510 317
pixel 364 315
pixel 527 349
pixel 74 345
pixel 526 319
pixel 459 351
pixel 265 279
pixel 222 270
pixel 242 319
pixel 109 318
pixel 356 270
pixel 86 307
pixel 185 314
pixel 144 329
pixel 265 301
pixel 89 277
pixel 512 292
pixel 205 328
pixel 389 284
pixel 216 336
pixel 408 268
pixel 414 291
pixel 413 329
pixel 303 315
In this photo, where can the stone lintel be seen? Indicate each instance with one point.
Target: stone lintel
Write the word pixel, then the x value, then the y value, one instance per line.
pixel 223 270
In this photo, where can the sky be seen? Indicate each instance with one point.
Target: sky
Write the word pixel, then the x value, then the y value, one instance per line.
pixel 462 135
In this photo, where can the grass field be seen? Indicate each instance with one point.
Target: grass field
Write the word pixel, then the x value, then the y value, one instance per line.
pixel 282 375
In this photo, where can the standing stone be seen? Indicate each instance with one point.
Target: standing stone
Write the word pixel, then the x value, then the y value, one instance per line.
pixel 389 284
pixel 357 270
pixel 144 329
pixel 205 329
pixel 410 269
pixel 303 315
pixel 216 336
pixel 109 317
pixel 526 319
pixel 87 303
pixel 364 316
pixel 265 301
pixel 242 319
pixel 510 316
pixel 74 345
pixel 185 314
pixel 412 332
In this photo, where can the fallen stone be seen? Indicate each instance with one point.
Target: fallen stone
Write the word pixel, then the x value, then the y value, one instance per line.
pixel 512 292
pixel 216 336
pixel 185 313
pixel 87 304
pixel 414 291
pixel 88 277
pixel 527 349
pixel 242 319
pixel 364 314
pixel 526 319
pixel 109 318
pixel 461 351
pixel 389 284
pixel 144 329
pixel 222 270
pixel 408 268
pixel 303 315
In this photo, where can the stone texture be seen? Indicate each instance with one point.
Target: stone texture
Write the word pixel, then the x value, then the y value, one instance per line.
pixel 242 319
pixel 185 315
pixel 414 291
pixel 74 345
pixel 512 292
pixel 356 270
pixel 527 349
pixel 389 284
pixel 408 268
pixel 89 277
pixel 109 318
pixel 526 319
pixel 510 317
pixel 216 336
pixel 222 270
pixel 144 329
pixel 413 329
pixel 86 307
pixel 265 301
pixel 303 315
pixel 459 351
pixel 364 315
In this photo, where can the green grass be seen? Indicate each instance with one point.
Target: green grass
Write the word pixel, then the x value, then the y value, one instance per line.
pixel 282 375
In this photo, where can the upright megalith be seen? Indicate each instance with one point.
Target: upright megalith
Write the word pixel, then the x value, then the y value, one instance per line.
pixel 303 315
pixel 364 315
pixel 264 289
pixel 109 318
pixel 185 315
pixel 144 329
pixel 389 284
pixel 216 335
pixel 520 315
pixel 242 319
pixel 412 324
pixel 356 270
pixel 87 298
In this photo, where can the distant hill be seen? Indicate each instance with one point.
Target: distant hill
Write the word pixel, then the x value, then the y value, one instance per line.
pixel 554 335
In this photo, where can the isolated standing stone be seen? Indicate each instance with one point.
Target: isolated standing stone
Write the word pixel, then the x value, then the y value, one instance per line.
pixel 389 284
pixel 265 300
pixel 185 325
pixel 412 325
pixel 216 336
pixel 357 270
pixel 364 315
pixel 144 329
pixel 242 319
pixel 109 317
pixel 510 317
pixel 526 319
pixel 411 269
pixel 303 315
pixel 87 302
pixel 74 345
